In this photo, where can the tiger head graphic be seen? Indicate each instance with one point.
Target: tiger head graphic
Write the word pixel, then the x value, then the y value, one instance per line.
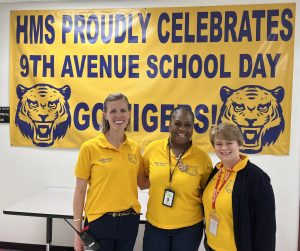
pixel 43 113
pixel 257 113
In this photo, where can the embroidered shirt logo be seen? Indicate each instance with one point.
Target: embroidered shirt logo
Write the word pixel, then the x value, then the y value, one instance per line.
pixel 132 158
pixel 229 186
pixel 157 163
pixel 105 160
pixel 192 171
pixel 185 168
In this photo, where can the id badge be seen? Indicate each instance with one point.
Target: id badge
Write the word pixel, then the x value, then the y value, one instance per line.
pixel 168 198
pixel 213 223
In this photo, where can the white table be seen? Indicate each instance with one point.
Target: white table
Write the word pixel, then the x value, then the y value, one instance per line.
pixel 56 202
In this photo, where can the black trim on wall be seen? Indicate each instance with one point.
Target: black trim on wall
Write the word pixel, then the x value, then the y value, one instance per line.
pixel 31 247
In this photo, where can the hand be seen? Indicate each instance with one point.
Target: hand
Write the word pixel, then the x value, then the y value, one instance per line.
pixel 78 243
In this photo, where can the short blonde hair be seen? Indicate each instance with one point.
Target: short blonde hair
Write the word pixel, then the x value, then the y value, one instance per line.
pixel 228 132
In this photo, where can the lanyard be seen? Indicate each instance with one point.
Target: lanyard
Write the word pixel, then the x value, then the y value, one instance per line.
pixel 178 158
pixel 217 190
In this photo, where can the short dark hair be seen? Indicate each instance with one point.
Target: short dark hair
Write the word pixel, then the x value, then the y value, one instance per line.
pixel 182 108
pixel 113 97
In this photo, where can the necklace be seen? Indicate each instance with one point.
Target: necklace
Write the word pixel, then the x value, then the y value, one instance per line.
pixel 181 166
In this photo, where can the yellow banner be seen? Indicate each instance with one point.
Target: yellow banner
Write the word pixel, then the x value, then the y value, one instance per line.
pixel 228 63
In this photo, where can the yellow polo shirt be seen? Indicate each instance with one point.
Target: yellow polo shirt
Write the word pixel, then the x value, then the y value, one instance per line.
pixel 188 185
pixel 224 240
pixel 112 176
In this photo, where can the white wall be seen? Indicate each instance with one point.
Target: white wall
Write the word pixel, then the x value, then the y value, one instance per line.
pixel 25 171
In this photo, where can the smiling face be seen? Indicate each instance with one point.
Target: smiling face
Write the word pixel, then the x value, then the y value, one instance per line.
pixel 181 128
pixel 117 114
pixel 227 151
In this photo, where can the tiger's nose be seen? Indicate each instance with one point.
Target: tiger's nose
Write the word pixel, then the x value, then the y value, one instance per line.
pixel 43 117
pixel 250 121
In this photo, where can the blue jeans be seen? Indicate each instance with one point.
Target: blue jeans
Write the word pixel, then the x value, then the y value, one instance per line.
pixel 186 238
pixel 115 233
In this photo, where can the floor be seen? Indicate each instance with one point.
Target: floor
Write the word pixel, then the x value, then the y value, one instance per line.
pixel 9 250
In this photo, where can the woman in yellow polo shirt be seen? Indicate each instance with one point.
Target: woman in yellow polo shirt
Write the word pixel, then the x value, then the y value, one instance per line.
pixel 238 201
pixel 106 181
pixel 178 171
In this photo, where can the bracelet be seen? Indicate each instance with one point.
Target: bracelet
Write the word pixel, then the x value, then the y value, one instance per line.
pixel 78 219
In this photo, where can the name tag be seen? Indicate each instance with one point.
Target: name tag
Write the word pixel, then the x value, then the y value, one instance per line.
pixel 168 198
pixel 213 223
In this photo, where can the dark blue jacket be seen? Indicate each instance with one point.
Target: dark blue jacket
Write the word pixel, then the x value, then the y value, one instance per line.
pixel 253 205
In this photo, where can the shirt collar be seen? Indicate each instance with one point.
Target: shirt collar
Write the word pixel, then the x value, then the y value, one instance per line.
pixel 238 166
pixel 166 144
pixel 166 147
pixel 104 143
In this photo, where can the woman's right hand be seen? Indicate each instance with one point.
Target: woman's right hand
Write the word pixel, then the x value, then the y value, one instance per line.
pixel 78 204
pixel 78 243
